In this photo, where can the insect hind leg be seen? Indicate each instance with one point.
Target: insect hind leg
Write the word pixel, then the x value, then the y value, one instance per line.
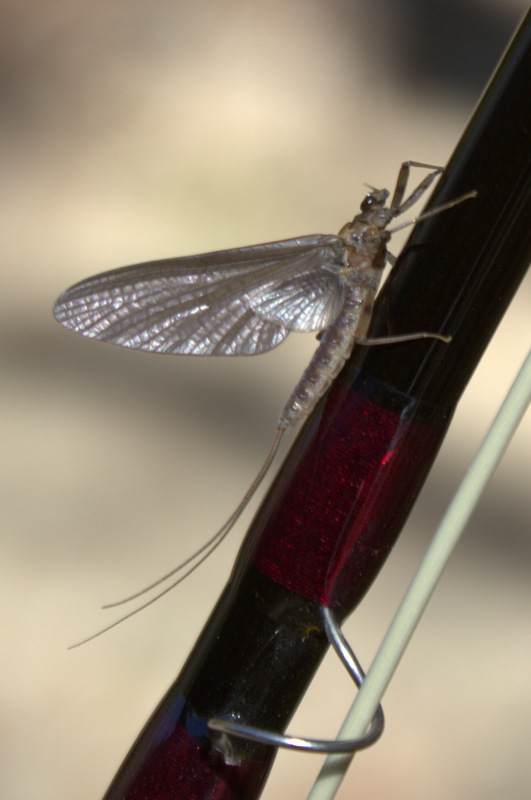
pixel 398 204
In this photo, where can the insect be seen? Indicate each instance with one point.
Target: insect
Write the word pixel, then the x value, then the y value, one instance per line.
pixel 246 301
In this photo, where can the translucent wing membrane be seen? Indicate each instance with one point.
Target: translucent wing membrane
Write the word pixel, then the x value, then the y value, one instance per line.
pixel 232 302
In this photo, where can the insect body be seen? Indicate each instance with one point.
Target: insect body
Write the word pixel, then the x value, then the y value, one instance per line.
pixel 246 301
pixel 360 262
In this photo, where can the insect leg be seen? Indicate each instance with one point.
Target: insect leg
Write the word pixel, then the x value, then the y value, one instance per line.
pixel 398 204
pixel 404 337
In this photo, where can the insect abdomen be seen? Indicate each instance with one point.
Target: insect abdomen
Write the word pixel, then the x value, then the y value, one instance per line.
pixel 336 345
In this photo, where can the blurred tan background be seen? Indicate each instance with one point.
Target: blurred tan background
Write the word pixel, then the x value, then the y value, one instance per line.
pixel 135 130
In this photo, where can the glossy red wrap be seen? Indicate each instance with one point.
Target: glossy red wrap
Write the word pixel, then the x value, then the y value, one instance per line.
pixel 340 514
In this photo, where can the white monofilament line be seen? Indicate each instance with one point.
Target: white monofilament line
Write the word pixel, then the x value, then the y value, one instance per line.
pixel 425 580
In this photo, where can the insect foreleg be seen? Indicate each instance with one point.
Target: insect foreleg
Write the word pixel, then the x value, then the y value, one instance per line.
pixel 398 204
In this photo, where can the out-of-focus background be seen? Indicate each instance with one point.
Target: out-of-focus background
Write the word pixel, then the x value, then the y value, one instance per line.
pixel 136 130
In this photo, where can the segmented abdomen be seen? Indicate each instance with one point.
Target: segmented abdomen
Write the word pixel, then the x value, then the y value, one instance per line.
pixel 335 346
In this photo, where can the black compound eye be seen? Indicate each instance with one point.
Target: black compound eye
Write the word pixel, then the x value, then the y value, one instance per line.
pixel 368 202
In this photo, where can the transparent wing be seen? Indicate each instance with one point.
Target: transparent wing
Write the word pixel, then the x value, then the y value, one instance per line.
pixel 232 302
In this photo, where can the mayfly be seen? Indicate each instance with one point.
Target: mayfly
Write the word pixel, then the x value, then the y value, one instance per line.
pixel 247 300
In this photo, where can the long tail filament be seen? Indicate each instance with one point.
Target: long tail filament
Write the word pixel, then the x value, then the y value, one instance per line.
pixel 199 556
